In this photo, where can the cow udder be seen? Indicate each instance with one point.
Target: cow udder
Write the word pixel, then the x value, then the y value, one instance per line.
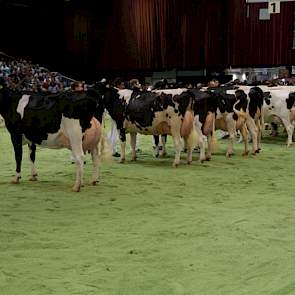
pixel 187 124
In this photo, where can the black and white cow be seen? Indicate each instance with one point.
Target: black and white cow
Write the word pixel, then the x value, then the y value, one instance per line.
pixel 280 103
pixel 152 113
pixel 205 107
pixel 231 116
pixel 54 121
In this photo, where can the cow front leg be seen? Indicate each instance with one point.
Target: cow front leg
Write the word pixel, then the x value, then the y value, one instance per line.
pixel 122 135
pixel 289 128
pixel 133 145
pixel 16 140
pixel 32 158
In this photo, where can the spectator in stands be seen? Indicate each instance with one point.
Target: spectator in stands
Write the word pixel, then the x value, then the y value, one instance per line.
pixel 77 86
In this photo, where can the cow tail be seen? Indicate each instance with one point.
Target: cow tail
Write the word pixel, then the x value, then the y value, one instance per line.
pixel 104 147
pixel 238 112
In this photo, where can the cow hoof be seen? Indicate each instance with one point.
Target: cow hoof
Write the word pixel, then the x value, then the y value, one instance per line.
pixel 15 180
pixel 229 155
pixel 134 159
pixel 94 182
pixel 175 165
pixel 76 189
pixel 208 158
pixel 122 161
pixel 33 178
pixel 245 154
pixel 202 160
pixel 189 162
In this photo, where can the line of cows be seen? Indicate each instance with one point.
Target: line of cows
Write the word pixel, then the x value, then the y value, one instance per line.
pixel 73 119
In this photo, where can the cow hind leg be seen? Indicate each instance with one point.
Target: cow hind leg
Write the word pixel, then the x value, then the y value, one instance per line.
pixel 177 145
pixel 95 166
pixel 245 133
pixel 254 134
pixel 190 142
pixel 156 142
pixel 200 139
pixel 164 140
pixel 231 128
pixel 79 159
pixel 32 158
pixel 78 154
pixel 133 145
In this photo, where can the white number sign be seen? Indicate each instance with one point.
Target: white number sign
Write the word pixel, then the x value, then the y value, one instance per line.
pixel 274 6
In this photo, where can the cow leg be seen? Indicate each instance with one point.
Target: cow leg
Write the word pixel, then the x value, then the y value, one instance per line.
pixel 16 140
pixel 175 132
pixel 259 133
pixel 32 157
pixel 244 133
pixel 254 134
pixel 74 134
pixel 79 159
pixel 210 139
pixel 122 134
pixel 289 128
pixel 231 128
pixel 156 142
pixel 164 140
pixel 133 145
pixel 177 145
pixel 198 130
pixel 189 144
pixel 95 166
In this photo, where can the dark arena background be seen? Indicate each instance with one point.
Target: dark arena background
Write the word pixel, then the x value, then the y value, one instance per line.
pixel 209 213
pixel 90 39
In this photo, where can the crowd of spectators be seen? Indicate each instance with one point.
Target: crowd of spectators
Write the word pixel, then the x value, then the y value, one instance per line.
pixel 23 75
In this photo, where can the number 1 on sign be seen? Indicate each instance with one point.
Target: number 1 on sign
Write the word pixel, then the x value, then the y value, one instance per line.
pixel 274 6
